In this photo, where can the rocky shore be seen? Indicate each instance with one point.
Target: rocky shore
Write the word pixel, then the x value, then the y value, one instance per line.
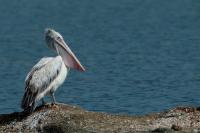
pixel 68 119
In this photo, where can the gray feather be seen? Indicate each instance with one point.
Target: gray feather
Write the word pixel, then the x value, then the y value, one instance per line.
pixel 38 79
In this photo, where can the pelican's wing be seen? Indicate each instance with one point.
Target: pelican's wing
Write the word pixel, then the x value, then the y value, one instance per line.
pixel 38 79
pixel 37 66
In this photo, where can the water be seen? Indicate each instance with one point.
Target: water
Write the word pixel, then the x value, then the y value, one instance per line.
pixel 140 56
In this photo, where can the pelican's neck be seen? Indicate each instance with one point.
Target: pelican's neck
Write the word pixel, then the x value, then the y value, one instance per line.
pixel 67 67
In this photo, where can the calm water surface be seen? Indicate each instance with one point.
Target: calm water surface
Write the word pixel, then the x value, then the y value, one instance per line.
pixel 140 56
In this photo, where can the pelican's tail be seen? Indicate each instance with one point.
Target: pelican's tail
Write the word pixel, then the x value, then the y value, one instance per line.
pixel 28 101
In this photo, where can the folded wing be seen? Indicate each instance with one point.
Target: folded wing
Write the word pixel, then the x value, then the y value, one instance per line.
pixel 38 79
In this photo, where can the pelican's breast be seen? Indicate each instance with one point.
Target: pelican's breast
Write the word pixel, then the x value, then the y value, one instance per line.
pixel 60 78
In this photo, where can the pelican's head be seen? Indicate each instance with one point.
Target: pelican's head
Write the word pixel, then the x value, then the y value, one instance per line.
pixel 51 36
pixel 56 42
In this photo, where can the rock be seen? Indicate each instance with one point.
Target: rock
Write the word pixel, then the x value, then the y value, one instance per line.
pixel 176 127
pixel 66 119
pixel 162 130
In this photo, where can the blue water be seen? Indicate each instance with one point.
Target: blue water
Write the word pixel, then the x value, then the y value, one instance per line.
pixel 140 56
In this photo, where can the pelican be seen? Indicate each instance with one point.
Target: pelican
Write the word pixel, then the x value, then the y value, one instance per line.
pixel 50 72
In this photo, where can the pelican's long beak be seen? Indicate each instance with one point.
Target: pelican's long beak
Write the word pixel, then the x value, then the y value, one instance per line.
pixel 67 55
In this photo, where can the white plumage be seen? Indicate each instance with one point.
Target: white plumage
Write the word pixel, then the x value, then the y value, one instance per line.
pixel 50 72
pixel 59 71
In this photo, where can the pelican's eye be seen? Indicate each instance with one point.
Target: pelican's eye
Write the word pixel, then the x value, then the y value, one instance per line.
pixel 58 38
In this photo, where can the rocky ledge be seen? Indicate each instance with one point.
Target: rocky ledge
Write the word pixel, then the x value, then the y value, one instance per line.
pixel 68 119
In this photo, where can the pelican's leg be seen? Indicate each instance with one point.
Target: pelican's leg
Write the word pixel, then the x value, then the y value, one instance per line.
pixel 53 98
pixel 54 104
